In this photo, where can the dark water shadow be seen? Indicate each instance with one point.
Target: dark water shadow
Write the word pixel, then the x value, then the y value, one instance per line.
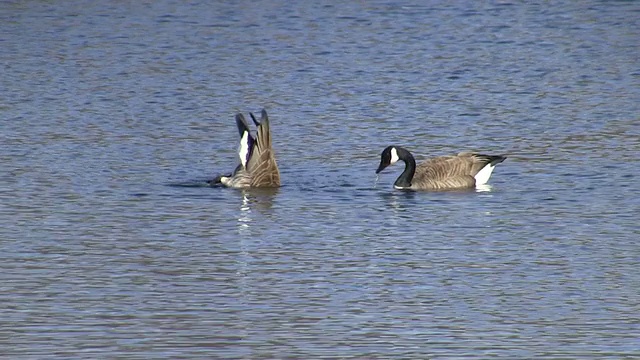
pixel 197 183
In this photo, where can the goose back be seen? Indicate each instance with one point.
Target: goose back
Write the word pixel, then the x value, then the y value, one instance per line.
pixel 262 163
pixel 451 172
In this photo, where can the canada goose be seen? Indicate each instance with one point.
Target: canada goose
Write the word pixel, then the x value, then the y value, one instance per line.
pixel 258 167
pixel 462 171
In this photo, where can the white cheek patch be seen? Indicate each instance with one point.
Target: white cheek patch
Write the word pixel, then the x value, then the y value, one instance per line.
pixel 394 156
pixel 243 150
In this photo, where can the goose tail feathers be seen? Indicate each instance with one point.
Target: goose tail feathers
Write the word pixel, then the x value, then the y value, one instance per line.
pixel 482 177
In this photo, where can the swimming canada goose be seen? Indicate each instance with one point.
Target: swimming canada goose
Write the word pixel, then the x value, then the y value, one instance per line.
pixel 258 167
pixel 462 171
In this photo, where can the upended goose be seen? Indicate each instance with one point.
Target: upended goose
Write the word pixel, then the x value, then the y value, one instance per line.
pixel 462 171
pixel 258 167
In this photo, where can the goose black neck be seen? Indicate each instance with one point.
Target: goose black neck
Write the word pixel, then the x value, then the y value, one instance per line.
pixel 404 180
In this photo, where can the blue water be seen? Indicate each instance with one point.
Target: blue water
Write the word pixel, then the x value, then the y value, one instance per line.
pixel 114 115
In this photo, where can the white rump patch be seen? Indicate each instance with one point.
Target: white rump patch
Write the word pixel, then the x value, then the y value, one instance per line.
pixel 243 149
pixel 394 156
pixel 482 177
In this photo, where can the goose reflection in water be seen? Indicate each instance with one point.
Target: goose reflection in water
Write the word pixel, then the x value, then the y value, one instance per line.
pixel 260 200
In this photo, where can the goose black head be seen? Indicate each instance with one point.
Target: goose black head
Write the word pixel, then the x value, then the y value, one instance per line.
pixel 388 157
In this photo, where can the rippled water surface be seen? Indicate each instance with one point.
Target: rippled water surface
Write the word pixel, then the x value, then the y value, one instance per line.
pixel 114 114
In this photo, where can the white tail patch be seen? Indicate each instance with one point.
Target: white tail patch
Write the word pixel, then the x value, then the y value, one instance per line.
pixel 243 149
pixel 482 177
pixel 394 156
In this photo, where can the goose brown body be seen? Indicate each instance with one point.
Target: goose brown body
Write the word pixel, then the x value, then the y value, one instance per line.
pixel 258 167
